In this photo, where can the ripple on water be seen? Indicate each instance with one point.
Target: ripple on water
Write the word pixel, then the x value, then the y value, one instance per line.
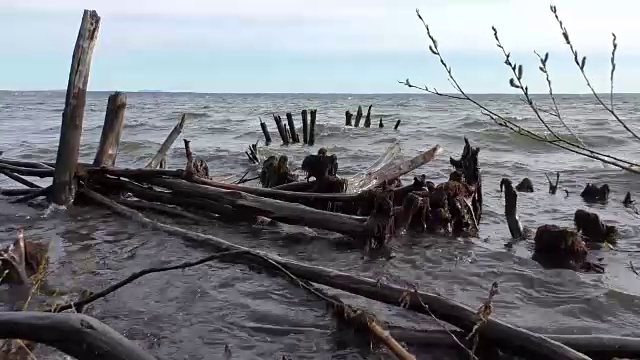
pixel 195 313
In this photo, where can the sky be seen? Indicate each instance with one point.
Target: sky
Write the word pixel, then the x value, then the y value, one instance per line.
pixel 343 46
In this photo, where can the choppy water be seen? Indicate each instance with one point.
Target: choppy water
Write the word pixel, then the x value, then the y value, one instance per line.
pixel 193 314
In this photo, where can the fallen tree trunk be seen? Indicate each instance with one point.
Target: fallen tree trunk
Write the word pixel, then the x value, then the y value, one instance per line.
pixel 595 346
pixel 520 341
pixel 77 335
pixel 288 213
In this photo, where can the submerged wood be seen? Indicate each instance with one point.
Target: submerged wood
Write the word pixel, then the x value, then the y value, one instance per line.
pixel 312 127
pixel 283 135
pixel 111 130
pixel 19 179
pixel 77 335
pixel 595 346
pixel 17 192
pixel 288 213
pixel 524 342
pixel 168 142
pixel 305 126
pixel 347 118
pixel 397 125
pixel 292 128
pixel 33 195
pixel 367 119
pixel 64 183
pixel 358 116
pixel 161 208
pixel 44 173
pixel 265 132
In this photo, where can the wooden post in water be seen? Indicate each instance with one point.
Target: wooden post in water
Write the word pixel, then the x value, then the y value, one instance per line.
pixel 367 119
pixel 64 185
pixel 358 116
pixel 283 135
pixel 347 118
pixel 312 128
pixel 380 124
pixel 305 126
pixel 265 132
pixel 397 124
pixel 292 129
pixel 111 130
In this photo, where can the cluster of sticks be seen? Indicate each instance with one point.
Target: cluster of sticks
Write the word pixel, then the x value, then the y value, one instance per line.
pixel 544 115
pixel 348 119
pixel 288 132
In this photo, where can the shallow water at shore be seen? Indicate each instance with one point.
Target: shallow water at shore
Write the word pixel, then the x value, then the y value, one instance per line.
pixel 194 313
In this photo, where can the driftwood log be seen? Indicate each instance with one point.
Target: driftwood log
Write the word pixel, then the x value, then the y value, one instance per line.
pixel 111 130
pixel 168 142
pixel 64 182
pixel 78 335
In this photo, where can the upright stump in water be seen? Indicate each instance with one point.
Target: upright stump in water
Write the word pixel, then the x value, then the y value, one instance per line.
pixel 358 116
pixel 281 130
pixel 111 130
pixel 265 132
pixel 367 119
pixel 312 128
pixel 64 186
pixel 397 124
pixel 347 118
pixel 292 129
pixel 381 124
pixel 305 127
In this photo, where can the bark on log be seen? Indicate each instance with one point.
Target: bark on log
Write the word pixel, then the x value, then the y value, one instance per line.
pixel 524 342
pixel 64 184
pixel 111 130
pixel 77 335
pixel 168 142
pixel 595 346
pixel 288 213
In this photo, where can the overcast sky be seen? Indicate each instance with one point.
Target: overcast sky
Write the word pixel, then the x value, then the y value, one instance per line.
pixel 361 46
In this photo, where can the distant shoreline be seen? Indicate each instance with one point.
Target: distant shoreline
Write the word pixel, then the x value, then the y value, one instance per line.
pixel 309 93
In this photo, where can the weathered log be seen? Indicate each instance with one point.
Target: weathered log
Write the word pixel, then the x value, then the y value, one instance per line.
pixel 161 208
pixel 77 335
pixel 29 164
pixel 288 213
pixel 292 129
pixel 168 142
pixel 358 116
pixel 519 340
pixel 397 124
pixel 394 171
pixel 17 192
pixel 312 127
pixel 44 173
pixel 347 118
pixel 265 132
pixel 283 135
pixel 19 179
pixel 367 119
pixel 595 346
pixel 64 184
pixel 305 126
pixel 33 195
pixel 111 130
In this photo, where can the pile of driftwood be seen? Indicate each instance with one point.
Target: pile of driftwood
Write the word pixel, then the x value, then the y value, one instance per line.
pixel 371 218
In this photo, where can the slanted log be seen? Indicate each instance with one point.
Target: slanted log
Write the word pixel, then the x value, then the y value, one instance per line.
pixel 111 130
pixel 395 127
pixel 288 213
pixel 77 335
pixel 265 132
pixel 367 119
pixel 358 116
pixel 283 135
pixel 521 341
pixel 19 179
pixel 64 184
pixel 168 142
pixel 292 129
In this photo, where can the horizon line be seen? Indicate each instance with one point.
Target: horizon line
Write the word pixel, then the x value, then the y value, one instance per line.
pixel 307 93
